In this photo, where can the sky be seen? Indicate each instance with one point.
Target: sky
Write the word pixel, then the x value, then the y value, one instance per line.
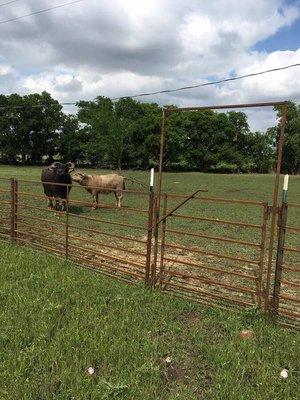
pixel 123 47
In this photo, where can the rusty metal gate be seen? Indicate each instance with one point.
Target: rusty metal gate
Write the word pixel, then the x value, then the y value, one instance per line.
pixel 200 247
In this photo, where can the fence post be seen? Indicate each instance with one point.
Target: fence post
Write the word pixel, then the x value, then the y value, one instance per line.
pixel 14 208
pixel 163 241
pixel 280 248
pixel 67 221
pixel 150 229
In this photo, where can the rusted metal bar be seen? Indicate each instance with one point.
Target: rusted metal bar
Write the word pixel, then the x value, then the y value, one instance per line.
pixel 209 294
pixel 83 187
pixel 83 228
pixel 210 281
pixel 42 246
pixel 213 269
pixel 262 255
pixel 41 238
pixel 275 207
pixel 218 238
pixel 14 208
pixel 107 222
pixel 290 268
pixel 39 219
pixel 109 246
pixel 163 241
pixel 218 199
pixel 292 249
pixel 155 247
pixel 149 237
pixel 105 255
pixel 289 312
pixel 218 221
pixel 294 205
pixel 290 283
pixel 290 298
pixel 226 106
pixel 218 255
pixel 175 208
pixel 49 210
pixel 67 224
pixel 107 267
pixel 161 157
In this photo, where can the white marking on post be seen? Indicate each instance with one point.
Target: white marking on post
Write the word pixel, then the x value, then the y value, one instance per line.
pixel 152 177
pixel 286 182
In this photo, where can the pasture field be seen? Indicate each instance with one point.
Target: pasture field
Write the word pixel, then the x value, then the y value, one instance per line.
pixel 57 320
pixel 111 243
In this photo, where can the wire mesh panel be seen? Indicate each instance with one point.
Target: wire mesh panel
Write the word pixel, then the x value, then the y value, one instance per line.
pixel 210 254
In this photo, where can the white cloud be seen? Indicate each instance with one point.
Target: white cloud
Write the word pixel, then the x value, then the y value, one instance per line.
pixel 128 46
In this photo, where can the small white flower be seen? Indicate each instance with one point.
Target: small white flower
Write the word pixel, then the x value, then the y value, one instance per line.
pixel 168 360
pixel 284 374
pixel 90 370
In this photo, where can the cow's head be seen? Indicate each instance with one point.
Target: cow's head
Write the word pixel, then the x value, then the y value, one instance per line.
pixel 62 169
pixel 79 177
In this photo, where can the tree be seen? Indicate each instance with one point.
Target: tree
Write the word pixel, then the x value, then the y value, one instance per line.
pixel 291 149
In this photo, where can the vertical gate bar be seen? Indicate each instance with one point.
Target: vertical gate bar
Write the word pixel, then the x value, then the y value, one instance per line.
pixel 13 209
pixel 261 294
pixel 161 156
pixel 163 240
pixel 280 247
pixel 16 206
pixel 67 221
pixel 155 250
pixel 275 207
pixel 279 259
pixel 149 237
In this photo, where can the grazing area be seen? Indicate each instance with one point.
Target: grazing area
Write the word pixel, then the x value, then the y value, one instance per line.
pixel 198 248
pixel 57 321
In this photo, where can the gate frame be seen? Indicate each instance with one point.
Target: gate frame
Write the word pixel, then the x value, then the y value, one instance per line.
pixel 279 149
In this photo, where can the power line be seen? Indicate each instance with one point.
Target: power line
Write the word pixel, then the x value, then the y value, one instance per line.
pixel 209 83
pixel 8 2
pixel 177 89
pixel 40 11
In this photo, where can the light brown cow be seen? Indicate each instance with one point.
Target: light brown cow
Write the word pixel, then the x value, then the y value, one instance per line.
pixel 104 184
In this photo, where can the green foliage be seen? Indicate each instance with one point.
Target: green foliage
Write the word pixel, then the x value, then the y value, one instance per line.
pixel 291 150
pixel 29 127
pixel 126 134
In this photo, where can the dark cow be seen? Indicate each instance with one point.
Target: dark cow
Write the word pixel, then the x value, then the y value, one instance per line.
pixel 57 173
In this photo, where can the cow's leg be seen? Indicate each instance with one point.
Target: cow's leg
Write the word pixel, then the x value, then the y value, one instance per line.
pixel 119 197
pixel 50 203
pixel 95 201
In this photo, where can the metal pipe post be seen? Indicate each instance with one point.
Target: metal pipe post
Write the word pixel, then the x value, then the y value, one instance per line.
pixel 280 248
pixel 275 206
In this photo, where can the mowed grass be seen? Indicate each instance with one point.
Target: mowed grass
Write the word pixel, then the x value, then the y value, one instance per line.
pixel 95 236
pixel 57 320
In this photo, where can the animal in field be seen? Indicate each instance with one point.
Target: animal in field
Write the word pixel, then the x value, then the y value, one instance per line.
pixel 102 184
pixel 54 179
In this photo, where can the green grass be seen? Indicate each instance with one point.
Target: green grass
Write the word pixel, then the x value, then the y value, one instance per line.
pixel 238 186
pixel 57 320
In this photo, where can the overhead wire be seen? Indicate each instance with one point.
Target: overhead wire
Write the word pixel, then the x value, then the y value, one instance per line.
pixel 8 2
pixel 182 88
pixel 39 11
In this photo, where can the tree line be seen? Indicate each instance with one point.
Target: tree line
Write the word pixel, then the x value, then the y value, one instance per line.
pixel 125 134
